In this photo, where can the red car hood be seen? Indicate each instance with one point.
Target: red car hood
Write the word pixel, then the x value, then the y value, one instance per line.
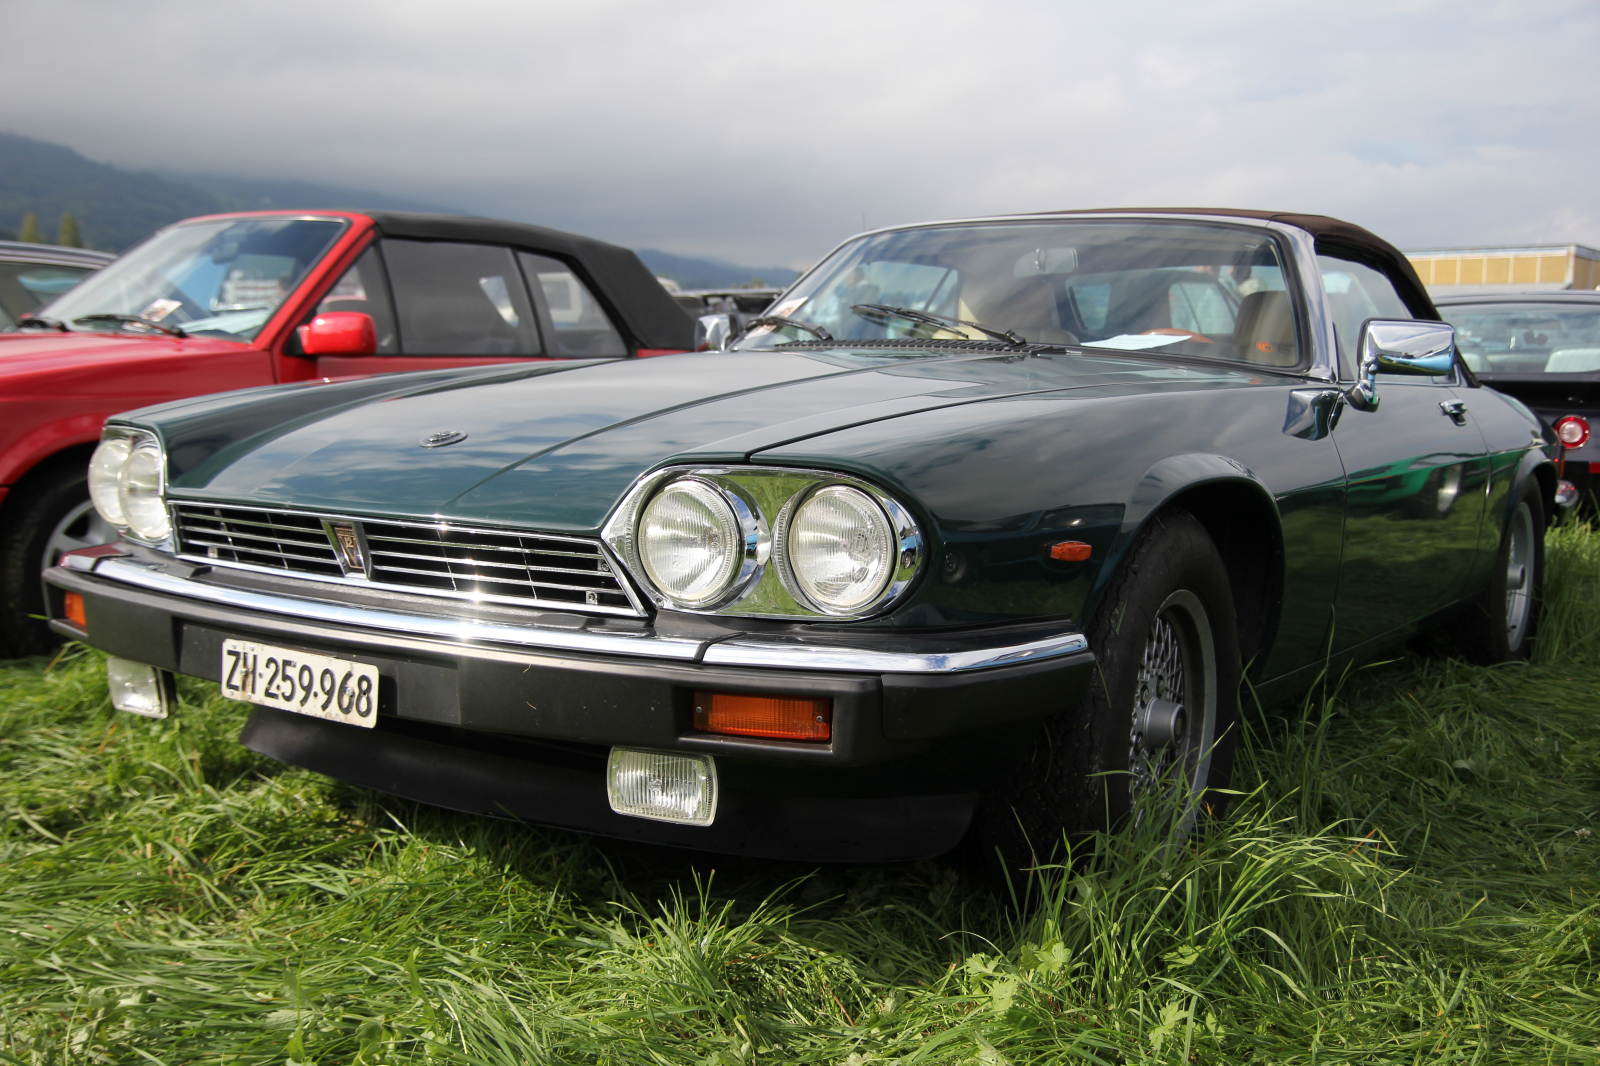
pixel 38 352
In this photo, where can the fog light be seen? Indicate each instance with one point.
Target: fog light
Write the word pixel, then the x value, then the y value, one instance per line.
pixel 662 786
pixel 137 688
pixel 783 717
pixel 1566 494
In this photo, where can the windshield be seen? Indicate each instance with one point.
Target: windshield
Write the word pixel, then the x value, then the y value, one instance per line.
pixel 218 279
pixel 1186 288
pixel 1527 338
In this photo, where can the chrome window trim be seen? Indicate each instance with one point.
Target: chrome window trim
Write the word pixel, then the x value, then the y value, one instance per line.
pixel 1324 349
pixel 737 651
pixel 599 546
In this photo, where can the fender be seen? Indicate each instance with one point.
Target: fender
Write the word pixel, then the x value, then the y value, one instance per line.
pixel 47 440
pixel 1170 478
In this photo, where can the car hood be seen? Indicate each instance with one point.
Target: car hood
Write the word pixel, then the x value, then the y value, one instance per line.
pixel 555 447
pixel 25 354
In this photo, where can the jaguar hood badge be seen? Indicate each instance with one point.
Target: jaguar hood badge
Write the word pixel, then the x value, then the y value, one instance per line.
pixel 439 440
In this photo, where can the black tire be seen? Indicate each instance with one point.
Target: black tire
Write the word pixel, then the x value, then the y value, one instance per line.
pixel 1171 592
pixel 1502 624
pixel 41 517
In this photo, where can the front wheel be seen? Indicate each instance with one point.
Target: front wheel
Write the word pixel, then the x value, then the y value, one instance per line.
pixel 1155 730
pixel 1501 625
pixel 51 516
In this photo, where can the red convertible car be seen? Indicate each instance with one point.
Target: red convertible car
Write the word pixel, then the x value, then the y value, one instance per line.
pixel 270 298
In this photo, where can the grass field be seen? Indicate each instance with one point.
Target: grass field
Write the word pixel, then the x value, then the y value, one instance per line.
pixel 1409 877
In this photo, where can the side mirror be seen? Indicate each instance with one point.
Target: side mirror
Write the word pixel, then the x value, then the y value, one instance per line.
pixel 713 333
pixel 339 333
pixel 1400 346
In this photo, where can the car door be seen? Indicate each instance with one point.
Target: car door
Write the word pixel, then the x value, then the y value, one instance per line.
pixel 1416 473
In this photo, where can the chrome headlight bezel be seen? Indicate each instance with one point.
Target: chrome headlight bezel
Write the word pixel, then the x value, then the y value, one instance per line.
pixel 765 499
pixel 621 533
pixel 140 443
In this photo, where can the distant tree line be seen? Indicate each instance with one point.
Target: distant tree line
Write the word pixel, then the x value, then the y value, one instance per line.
pixel 68 235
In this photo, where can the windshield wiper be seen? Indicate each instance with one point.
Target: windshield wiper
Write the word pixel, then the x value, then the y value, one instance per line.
pixel 171 331
pixel 42 322
pixel 941 321
pixel 778 320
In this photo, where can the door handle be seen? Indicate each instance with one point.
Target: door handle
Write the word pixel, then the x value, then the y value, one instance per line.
pixel 1455 409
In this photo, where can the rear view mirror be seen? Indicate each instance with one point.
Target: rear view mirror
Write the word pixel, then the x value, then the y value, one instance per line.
pixel 1400 346
pixel 1043 262
pixel 714 333
pixel 339 333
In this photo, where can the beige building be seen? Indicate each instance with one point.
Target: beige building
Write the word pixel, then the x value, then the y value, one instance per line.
pixel 1468 271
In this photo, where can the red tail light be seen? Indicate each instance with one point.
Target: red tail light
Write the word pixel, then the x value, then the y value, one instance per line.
pixel 1573 431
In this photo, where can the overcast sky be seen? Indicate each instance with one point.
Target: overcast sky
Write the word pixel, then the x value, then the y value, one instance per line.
pixel 766 132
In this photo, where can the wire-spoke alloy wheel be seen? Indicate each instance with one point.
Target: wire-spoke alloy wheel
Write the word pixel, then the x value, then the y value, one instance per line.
pixel 1520 568
pixel 1174 709
pixel 1501 624
pixel 1152 735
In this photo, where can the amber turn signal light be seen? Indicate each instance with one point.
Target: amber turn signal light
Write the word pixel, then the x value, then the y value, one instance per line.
pixel 1069 551
pixel 73 609
pixel 780 717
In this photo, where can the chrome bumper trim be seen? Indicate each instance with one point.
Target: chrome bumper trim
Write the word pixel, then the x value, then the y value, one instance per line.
pixel 647 645
pixel 736 651
pixel 746 651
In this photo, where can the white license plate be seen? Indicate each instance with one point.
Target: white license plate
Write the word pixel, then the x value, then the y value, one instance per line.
pixel 318 685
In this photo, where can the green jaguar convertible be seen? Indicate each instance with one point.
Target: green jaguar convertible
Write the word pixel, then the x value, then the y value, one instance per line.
pixel 974 534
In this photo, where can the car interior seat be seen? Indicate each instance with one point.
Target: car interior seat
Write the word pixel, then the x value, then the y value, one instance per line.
pixel 1572 361
pixel 1263 331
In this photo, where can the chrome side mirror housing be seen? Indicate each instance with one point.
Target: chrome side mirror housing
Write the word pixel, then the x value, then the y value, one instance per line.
pixel 1400 346
pixel 715 333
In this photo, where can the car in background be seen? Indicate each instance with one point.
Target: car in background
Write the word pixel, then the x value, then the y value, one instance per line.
pixel 279 298
pixel 979 528
pixel 34 274
pixel 744 305
pixel 1544 349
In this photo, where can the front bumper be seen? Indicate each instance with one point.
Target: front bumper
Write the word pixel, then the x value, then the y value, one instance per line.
pixel 491 717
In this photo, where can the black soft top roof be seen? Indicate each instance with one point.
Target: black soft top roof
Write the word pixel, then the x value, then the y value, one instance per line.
pixel 624 283
pixel 1332 235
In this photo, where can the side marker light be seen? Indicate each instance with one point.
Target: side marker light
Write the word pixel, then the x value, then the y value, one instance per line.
pixel 1070 551
pixel 778 717
pixel 73 609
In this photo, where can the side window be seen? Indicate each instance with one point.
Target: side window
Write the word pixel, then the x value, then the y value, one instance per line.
pixel 1357 292
pixel 574 321
pixel 459 299
pixel 364 289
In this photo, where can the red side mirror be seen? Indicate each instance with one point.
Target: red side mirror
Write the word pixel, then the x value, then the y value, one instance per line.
pixel 339 333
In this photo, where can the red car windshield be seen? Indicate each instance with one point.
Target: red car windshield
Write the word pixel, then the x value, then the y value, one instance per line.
pixel 220 278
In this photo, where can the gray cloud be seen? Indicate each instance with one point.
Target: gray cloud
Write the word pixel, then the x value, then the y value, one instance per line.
pixel 765 133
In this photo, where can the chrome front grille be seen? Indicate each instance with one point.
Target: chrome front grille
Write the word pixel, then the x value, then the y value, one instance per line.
pixel 500 566
pixel 275 540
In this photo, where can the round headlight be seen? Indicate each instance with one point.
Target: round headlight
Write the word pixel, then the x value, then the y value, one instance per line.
pixel 841 549
pixel 690 543
pixel 139 492
pixel 105 467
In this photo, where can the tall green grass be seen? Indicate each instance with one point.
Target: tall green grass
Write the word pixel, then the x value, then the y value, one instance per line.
pixel 1407 875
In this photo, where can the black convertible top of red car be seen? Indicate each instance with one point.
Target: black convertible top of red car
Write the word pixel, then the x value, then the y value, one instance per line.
pixel 646 309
